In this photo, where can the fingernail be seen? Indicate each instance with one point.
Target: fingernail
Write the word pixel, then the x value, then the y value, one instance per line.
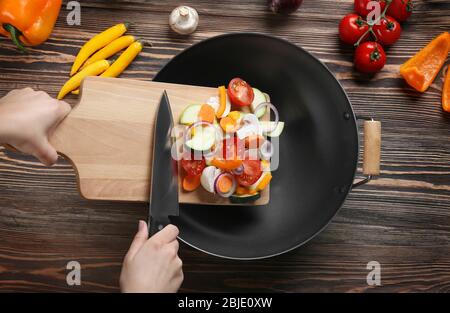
pixel 141 226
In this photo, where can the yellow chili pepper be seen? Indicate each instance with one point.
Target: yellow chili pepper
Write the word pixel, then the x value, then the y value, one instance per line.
pixel 124 60
pixel 75 81
pixel 111 49
pixel 97 42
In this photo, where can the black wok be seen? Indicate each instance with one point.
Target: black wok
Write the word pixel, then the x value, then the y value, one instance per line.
pixel 318 148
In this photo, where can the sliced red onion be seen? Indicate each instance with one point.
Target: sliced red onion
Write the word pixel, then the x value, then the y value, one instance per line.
pixel 233 187
pixel 238 171
pixel 187 136
pixel 266 150
pixel 275 113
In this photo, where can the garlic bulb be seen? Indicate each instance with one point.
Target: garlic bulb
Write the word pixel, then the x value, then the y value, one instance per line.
pixel 184 20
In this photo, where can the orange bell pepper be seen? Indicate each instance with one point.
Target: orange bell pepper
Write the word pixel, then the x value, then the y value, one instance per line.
pixel 421 70
pixel 28 22
pixel 446 92
pixel 226 165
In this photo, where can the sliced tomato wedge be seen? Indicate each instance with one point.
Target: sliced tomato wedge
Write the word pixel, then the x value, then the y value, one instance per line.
pixel 240 92
pixel 232 149
pixel 252 172
pixel 191 166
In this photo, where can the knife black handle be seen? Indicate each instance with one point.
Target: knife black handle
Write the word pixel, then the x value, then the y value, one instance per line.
pixel 155 225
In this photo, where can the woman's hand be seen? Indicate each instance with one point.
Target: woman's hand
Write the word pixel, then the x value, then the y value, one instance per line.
pixel 152 265
pixel 27 118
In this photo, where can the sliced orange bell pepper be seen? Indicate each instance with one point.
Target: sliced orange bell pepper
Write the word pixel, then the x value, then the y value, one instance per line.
pixel 28 22
pixel 446 92
pixel 222 101
pixel 421 70
pixel 227 165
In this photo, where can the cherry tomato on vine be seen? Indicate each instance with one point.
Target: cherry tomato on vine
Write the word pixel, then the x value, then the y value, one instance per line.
pixel 400 9
pixel 388 31
pixel 352 27
pixel 240 92
pixel 369 57
pixel 361 6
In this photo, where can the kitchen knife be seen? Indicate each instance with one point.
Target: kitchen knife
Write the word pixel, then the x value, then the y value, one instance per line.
pixel 163 200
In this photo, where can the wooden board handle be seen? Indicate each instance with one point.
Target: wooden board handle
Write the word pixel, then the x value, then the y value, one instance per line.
pixel 372 147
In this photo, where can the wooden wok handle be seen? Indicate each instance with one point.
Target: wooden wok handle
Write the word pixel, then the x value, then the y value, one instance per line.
pixel 372 147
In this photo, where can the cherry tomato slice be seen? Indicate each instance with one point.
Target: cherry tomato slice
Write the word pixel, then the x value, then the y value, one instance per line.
pixel 232 149
pixel 252 172
pixel 191 166
pixel 240 92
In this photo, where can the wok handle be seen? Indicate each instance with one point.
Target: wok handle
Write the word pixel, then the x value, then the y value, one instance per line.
pixel 372 151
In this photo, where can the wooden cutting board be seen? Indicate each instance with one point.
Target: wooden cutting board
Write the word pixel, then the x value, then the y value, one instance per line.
pixel 108 137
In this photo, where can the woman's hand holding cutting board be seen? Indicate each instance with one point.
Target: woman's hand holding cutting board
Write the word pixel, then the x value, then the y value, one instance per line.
pixel 27 119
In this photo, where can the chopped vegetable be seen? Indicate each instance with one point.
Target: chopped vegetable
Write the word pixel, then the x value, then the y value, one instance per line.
pixel 227 165
pixel 203 139
pixel 254 141
pixel 208 178
pixel 446 92
pixel 276 115
pixel 206 113
pixel 245 198
pixel 191 182
pixel 266 151
pixel 190 114
pixel 235 154
pixel 228 124
pixel 235 115
pixel 240 92
pixel 257 100
pixel 192 166
pixel 262 182
pixel 222 101
pixel 252 172
pixel 271 129
pixel 421 70
pixel 225 185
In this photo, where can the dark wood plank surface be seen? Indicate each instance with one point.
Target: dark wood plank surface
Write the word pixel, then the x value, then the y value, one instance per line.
pixel 401 220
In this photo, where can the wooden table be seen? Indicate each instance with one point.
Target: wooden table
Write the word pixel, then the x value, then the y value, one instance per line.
pixel 401 220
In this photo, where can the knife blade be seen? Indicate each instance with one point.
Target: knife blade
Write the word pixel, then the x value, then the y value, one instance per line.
pixel 163 201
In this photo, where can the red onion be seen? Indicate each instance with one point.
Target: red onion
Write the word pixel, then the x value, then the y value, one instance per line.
pixel 284 6
pixel 238 171
pixel 266 150
pixel 233 187
pixel 275 113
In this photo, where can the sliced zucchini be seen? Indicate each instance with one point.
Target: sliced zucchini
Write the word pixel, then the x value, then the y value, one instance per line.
pixel 244 198
pixel 267 126
pixel 257 100
pixel 190 114
pixel 203 139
